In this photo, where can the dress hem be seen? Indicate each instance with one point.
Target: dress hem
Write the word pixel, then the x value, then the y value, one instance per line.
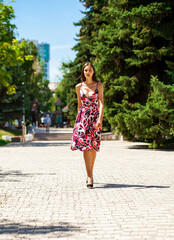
pixel 84 149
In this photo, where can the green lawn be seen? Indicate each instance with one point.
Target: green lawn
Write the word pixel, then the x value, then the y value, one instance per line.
pixel 10 132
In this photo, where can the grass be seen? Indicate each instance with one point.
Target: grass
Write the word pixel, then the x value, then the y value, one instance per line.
pixel 10 132
pixel 3 142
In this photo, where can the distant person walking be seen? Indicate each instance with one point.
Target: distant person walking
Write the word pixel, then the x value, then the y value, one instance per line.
pixel 42 121
pixel 47 122
pixel 86 135
pixel 35 109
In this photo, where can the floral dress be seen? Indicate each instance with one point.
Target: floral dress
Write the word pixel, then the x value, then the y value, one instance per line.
pixel 85 135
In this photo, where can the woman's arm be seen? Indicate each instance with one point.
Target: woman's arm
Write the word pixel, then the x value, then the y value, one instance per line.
pixel 101 105
pixel 78 96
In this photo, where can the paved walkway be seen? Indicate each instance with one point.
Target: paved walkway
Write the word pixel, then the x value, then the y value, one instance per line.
pixel 43 193
pixel 54 130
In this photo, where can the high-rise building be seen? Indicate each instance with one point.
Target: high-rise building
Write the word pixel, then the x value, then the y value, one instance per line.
pixel 44 51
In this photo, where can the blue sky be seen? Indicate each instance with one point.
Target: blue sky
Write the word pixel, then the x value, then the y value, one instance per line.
pixel 49 21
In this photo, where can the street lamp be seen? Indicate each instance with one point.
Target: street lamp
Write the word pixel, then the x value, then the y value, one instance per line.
pixel 23 124
pixel 23 96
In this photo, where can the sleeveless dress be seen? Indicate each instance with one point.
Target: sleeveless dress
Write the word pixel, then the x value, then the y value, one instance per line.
pixel 85 135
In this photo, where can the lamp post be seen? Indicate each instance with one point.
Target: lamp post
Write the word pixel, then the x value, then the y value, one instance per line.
pixel 23 96
pixel 23 124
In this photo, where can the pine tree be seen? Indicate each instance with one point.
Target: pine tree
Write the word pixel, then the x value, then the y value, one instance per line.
pixel 130 42
pixel 134 43
pixel 72 69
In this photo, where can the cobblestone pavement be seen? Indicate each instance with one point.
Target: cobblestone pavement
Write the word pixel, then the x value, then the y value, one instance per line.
pixel 43 194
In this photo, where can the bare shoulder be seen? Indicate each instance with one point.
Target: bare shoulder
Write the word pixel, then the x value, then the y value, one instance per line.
pixel 100 85
pixel 78 85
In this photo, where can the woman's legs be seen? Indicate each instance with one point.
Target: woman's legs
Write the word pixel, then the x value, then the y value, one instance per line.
pixel 93 156
pixel 89 157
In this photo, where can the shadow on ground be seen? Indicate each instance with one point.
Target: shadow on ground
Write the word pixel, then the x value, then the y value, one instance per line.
pixel 8 176
pixel 143 146
pixel 38 144
pixel 63 229
pixel 110 185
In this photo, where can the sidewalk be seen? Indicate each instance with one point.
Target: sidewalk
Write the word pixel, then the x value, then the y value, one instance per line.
pixel 43 193
pixel 54 130
pixel 55 134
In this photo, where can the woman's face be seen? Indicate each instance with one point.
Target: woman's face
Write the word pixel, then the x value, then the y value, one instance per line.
pixel 88 71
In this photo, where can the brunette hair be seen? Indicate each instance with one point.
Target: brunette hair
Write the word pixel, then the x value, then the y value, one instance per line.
pixel 94 78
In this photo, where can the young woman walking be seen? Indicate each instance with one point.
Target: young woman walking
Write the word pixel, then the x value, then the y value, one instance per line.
pixel 86 135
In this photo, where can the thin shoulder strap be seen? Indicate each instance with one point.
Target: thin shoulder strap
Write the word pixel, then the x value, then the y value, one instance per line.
pixel 81 87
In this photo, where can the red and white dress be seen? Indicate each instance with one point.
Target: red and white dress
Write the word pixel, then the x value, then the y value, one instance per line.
pixel 85 135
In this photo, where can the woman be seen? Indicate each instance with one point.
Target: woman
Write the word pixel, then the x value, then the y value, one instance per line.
pixel 88 125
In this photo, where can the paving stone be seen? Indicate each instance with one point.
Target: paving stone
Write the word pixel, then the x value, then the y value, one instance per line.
pixel 44 195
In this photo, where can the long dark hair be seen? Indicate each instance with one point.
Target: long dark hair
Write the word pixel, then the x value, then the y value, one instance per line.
pixel 94 78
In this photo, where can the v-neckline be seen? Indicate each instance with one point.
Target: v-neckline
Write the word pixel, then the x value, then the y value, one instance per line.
pixel 91 94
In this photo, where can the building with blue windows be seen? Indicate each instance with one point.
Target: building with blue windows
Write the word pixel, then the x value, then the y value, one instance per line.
pixel 44 51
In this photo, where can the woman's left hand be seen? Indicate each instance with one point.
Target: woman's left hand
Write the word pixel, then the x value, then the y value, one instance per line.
pixel 99 124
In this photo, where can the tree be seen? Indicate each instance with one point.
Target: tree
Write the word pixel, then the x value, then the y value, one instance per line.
pixel 21 73
pixel 131 46
pixel 28 79
pixel 134 43
pixel 72 69
pixel 10 52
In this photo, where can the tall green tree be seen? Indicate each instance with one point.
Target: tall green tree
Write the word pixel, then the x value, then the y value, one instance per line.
pixel 10 52
pixel 135 44
pixel 89 25
pixel 131 44
pixel 28 79
pixel 21 73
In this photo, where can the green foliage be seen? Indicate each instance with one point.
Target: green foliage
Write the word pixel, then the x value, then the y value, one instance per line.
pixel 9 132
pixel 10 52
pixel 21 73
pixel 66 89
pixel 3 142
pixel 143 48
pixel 128 42
pixel 28 79
pixel 153 122
pixel 72 69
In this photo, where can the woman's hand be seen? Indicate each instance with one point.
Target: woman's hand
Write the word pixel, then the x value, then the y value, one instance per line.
pixel 99 124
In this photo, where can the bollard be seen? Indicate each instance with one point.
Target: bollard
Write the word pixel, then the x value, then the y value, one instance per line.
pixel 23 133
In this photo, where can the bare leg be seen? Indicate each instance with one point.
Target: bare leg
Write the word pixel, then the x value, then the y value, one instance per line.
pixel 87 158
pixel 93 156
